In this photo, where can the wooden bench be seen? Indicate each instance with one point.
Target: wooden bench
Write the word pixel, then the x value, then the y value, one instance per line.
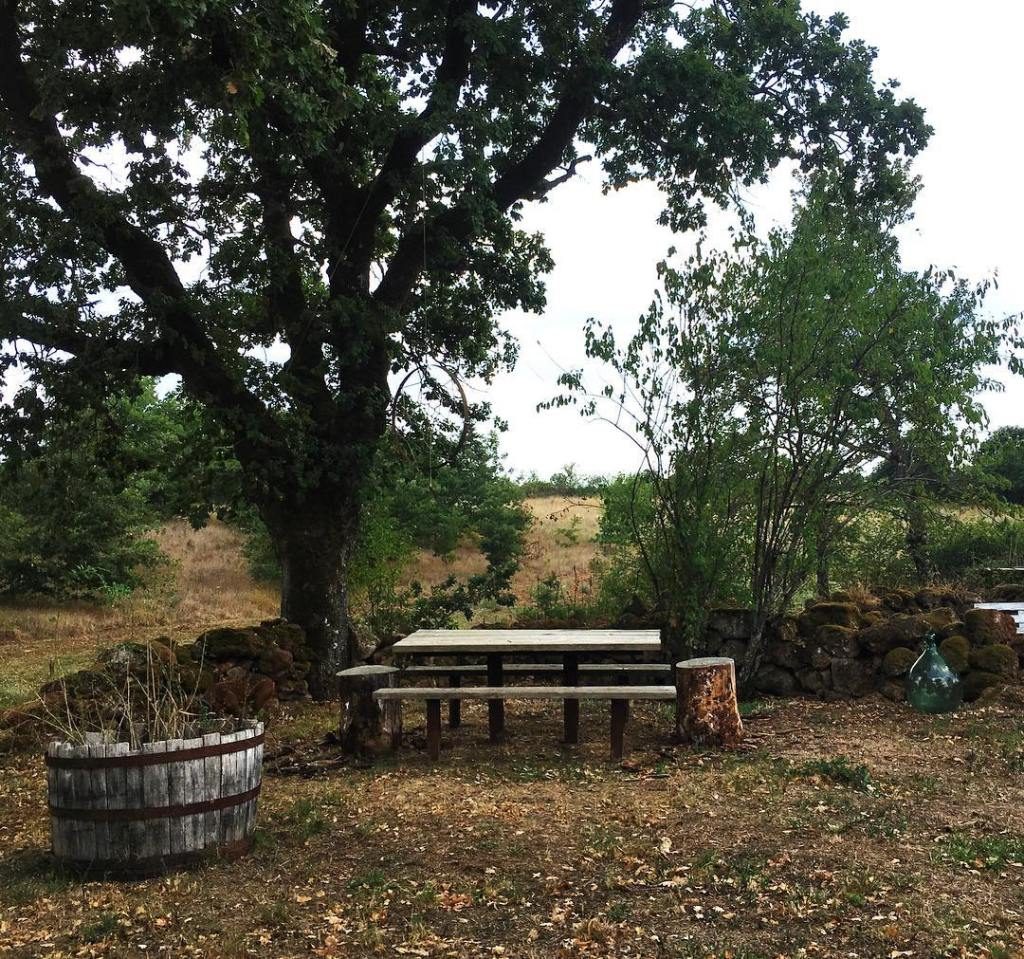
pixel 455 672
pixel 618 696
pixel 1016 610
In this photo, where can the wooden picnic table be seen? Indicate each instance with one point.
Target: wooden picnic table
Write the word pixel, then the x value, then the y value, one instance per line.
pixel 495 644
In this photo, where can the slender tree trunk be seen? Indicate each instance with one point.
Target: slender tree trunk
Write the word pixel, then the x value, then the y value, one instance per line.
pixel 755 655
pixel 823 580
pixel 314 594
pixel 917 540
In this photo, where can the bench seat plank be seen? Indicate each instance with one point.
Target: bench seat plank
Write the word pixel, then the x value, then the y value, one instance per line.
pixel 422 693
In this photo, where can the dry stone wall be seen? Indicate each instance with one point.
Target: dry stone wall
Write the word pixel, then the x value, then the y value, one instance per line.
pixel 849 646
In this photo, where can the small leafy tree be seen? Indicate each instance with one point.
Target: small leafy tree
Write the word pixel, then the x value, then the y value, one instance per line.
pixel 771 385
pixel 77 498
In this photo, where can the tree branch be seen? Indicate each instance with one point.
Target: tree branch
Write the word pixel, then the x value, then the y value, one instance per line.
pixel 360 227
pixel 150 273
pixel 46 324
pixel 526 176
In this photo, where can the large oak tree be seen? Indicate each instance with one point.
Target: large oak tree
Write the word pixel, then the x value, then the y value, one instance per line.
pixel 185 185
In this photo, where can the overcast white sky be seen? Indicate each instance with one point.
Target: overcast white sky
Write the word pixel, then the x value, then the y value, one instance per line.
pixel 960 61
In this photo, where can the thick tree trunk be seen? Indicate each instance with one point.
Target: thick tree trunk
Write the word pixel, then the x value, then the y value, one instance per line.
pixel 314 595
pixel 754 656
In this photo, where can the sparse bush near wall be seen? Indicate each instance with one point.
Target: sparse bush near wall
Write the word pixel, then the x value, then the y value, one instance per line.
pixel 873 551
pixel 1001 455
pixel 963 549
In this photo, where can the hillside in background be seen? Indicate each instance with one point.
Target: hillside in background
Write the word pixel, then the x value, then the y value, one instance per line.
pixel 206 583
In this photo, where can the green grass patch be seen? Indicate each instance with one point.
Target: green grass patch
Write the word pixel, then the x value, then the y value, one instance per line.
pixel 26 877
pixel 837 769
pixel 983 852
pixel 619 911
pixel 305 819
pixel 372 882
pixel 104 926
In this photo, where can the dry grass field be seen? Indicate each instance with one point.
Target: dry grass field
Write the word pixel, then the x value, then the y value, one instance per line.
pixel 206 583
pixel 559 542
pixel 840 830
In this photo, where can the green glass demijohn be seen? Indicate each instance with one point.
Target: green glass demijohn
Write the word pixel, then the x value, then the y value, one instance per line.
pixel 932 687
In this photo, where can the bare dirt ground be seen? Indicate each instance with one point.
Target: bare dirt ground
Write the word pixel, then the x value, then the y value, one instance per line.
pixel 535 850
pixel 857 830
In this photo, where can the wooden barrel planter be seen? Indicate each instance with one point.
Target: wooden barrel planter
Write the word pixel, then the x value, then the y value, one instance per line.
pixel 165 805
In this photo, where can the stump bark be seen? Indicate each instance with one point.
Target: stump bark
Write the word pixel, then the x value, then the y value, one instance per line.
pixel 368 725
pixel 707 713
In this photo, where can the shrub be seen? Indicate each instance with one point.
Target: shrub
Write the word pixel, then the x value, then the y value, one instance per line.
pixel 1002 455
pixel 839 770
pixel 68 529
pixel 564 482
pixel 958 549
pixel 961 548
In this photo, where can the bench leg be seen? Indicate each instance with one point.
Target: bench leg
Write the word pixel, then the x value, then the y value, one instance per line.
pixel 434 728
pixel 455 705
pixel 571 707
pixel 393 722
pixel 495 707
pixel 620 713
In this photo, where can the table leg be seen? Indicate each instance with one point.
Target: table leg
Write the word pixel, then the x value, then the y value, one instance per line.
pixel 495 707
pixel 434 728
pixel 571 707
pixel 620 715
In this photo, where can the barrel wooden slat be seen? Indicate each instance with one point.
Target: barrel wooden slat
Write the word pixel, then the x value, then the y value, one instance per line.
pixel 96 748
pixel 85 798
pixel 68 833
pixel 59 828
pixel 97 789
pixel 254 770
pixel 212 786
pixel 176 797
pixel 120 808
pixel 194 790
pixel 249 757
pixel 257 778
pixel 117 798
pixel 231 785
pixel 138 835
pixel 157 834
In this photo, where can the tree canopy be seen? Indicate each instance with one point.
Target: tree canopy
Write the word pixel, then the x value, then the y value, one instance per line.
pixel 1002 455
pixel 286 203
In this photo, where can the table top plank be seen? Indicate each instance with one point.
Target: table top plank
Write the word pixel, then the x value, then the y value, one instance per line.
pixel 455 641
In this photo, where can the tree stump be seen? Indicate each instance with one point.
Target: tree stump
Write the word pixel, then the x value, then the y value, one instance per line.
pixel 706 710
pixel 367 724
